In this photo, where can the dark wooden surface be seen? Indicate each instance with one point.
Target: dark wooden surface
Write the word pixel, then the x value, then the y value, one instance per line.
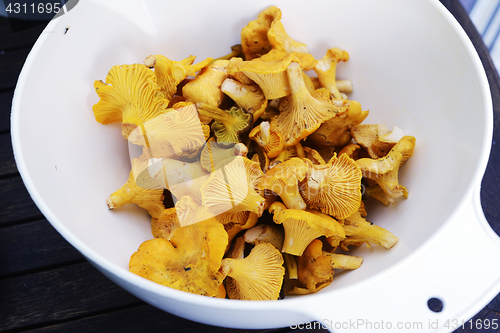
pixel 47 286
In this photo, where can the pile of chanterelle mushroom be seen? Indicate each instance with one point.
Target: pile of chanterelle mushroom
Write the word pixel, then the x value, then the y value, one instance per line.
pixel 268 166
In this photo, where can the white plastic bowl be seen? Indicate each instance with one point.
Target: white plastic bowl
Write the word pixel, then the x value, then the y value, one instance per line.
pixel 412 66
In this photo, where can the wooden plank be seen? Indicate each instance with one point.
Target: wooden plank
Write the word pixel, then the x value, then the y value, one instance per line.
pixel 58 294
pixel 8 164
pixel 494 305
pixel 33 246
pixel 15 202
pixel 11 40
pixel 145 318
pixel 5 107
pixel 488 323
pixel 11 63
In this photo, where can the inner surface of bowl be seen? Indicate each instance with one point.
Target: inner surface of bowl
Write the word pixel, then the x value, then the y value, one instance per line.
pixel 408 66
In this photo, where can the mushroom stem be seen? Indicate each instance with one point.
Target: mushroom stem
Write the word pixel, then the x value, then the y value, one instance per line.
pixel 344 85
pixel 265 132
pixel 300 150
pixel 365 231
pixel 343 261
pixel 291 197
pixel 291 266
pixel 296 86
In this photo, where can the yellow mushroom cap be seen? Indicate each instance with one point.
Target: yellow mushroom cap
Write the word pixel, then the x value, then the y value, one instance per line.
pixel 270 76
pixel 333 188
pixel 259 276
pixel 302 227
pixel 166 224
pixel 190 261
pixel 130 95
pixel 384 171
pixel 170 134
pixel 280 40
pixel 283 179
pixel 205 87
pixel 301 113
pixel 305 60
pixel 169 74
pixel 254 40
pixel 269 138
pixel 231 188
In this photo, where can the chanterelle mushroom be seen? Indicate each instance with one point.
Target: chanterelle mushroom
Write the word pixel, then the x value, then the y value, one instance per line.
pixel 306 60
pixel 269 75
pixel 377 140
pixel 283 179
pixel 301 113
pixel 359 230
pixel 269 138
pixel 170 134
pixel 170 73
pixel 326 69
pixel 302 227
pixel 231 188
pixel 130 192
pixel 205 87
pixel 130 96
pixel 316 267
pixel 335 131
pixel 385 170
pixel 166 224
pixel 190 261
pixel 259 276
pixel 280 40
pixel 333 188
pixel 254 40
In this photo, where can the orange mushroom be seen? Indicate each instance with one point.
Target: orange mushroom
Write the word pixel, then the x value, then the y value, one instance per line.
pixel 189 261
pixel 333 188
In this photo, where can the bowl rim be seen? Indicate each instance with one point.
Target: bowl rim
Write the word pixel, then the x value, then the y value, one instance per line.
pixel 185 297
